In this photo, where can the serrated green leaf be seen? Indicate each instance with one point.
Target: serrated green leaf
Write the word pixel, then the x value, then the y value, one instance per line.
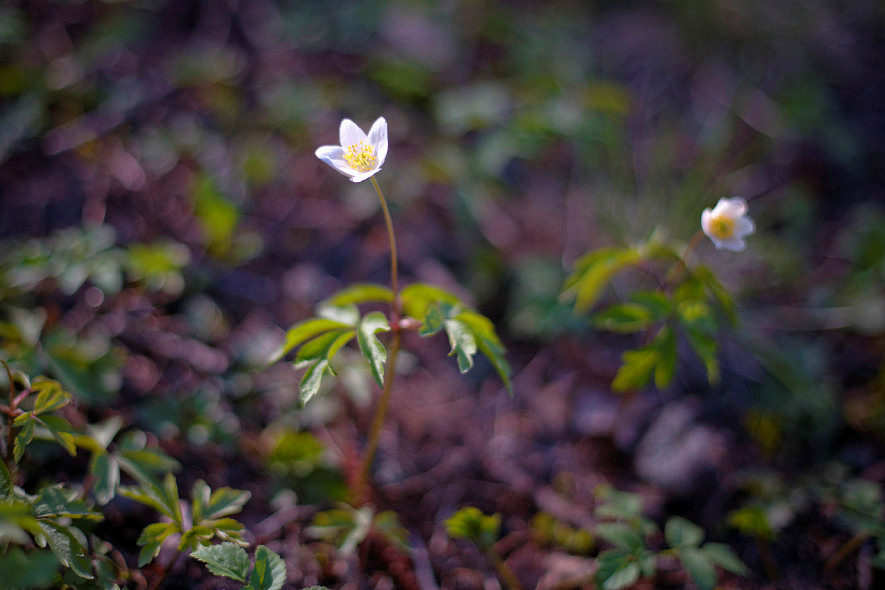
pixel 172 499
pixel 370 346
pixel 106 471
pixel 269 572
pixel 620 535
pixel 194 537
pixel 224 501
pixel 636 369
pixel 200 494
pixel 680 532
pixel 723 556
pixel 418 297
pixel 27 427
pixel 615 570
pixel 304 331
pixel 227 529
pixel 698 566
pixel 226 559
pixel 360 293
pixel 61 430
pixel 151 539
pixel 50 395
pixel 462 342
pixel 67 548
pixel 56 501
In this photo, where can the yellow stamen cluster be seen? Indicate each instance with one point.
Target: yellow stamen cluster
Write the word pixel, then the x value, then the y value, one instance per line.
pixel 722 227
pixel 360 156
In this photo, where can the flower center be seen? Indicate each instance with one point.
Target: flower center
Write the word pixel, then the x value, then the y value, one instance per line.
pixel 360 156
pixel 722 227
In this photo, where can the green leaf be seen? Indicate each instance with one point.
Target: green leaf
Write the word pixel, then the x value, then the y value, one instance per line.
pixel 471 524
pixel 67 548
pixel 594 271
pixel 718 290
pixel 224 501
pixel 227 529
pixel 699 567
pixel 636 369
pixel 226 559
pixel 370 346
pixel 172 499
pixel 151 539
pixel 462 342
pixel 106 470
pixel 433 320
pixel 61 430
pixel 360 293
pixel 304 331
pixel 620 535
pixel 140 463
pixel 665 344
pixel 418 297
pixel 27 426
pixel 707 348
pixel 50 395
pixel 345 527
pixel 488 343
pixel 624 318
pixel 35 569
pixel 616 570
pixel 56 501
pixel 680 532
pixel 324 346
pixel 722 555
pixel 269 572
pixel 312 379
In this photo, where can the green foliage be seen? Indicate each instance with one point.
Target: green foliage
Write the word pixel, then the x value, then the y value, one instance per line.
pixel 628 531
pixel 209 511
pixel 471 524
pixel 548 530
pixel 299 460
pixel 685 305
pixel 318 339
pixel 346 527
pixel 231 561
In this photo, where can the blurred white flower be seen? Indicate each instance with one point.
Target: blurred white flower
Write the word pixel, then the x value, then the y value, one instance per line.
pixel 727 223
pixel 359 156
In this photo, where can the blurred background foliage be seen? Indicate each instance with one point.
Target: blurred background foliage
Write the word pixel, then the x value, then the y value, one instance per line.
pixel 162 213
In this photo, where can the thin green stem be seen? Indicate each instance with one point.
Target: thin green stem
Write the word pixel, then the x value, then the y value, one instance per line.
pixel 390 369
pixel 394 286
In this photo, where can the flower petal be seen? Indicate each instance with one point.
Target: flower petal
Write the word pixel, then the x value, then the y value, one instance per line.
pixel 364 175
pixel 744 227
pixel 733 208
pixel 733 243
pixel 333 155
pixel 350 133
pixel 706 220
pixel 378 139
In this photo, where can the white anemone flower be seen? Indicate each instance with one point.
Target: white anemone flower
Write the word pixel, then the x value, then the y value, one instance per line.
pixel 359 156
pixel 727 223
